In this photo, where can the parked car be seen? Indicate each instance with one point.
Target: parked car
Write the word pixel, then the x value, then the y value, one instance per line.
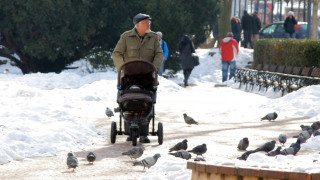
pixel 276 30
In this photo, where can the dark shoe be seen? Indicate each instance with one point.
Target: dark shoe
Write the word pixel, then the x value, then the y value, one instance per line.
pixel 144 139
pixel 129 138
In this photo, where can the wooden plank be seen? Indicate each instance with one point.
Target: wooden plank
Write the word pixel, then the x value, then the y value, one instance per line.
pixel 191 165
pixel 194 175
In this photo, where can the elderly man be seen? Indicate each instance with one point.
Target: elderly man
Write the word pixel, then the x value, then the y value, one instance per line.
pixel 139 43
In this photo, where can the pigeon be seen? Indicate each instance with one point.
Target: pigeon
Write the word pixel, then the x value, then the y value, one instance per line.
pixel 182 154
pixel 275 152
pixel 289 150
pixel 297 144
pixel 282 139
pixel 270 116
pixel 305 128
pixel 316 133
pixel 316 125
pixel 109 112
pixel 199 150
pixel 245 155
pixel 199 159
pixel 148 161
pixel 91 157
pixel 189 120
pixel 243 144
pixel 134 153
pixel 181 145
pixel 306 134
pixel 267 147
pixel 72 161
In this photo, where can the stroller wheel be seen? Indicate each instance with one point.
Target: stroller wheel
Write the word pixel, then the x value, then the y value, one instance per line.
pixel 134 137
pixel 160 133
pixel 113 132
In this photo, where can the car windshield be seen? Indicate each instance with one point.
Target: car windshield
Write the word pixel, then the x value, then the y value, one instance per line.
pixel 304 26
pixel 270 29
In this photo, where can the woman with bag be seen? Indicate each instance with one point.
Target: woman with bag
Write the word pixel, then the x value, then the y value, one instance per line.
pixel 186 49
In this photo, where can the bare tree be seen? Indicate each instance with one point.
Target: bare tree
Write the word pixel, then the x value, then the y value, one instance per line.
pixel 315 19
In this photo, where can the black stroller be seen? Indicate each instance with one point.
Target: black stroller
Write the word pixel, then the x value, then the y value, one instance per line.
pixel 137 93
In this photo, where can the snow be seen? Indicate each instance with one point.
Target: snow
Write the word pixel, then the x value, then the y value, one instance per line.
pixel 51 114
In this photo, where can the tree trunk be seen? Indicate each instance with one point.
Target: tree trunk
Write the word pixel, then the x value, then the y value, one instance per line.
pixel 315 19
pixel 225 18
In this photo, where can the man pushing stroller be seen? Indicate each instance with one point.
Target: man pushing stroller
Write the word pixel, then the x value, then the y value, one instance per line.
pixel 139 43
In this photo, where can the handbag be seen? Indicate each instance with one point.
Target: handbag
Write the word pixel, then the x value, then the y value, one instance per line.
pixel 195 59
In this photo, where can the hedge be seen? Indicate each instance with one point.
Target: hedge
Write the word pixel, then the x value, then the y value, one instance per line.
pixel 287 52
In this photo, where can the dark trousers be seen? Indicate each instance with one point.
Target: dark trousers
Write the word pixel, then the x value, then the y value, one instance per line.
pixel 247 39
pixel 144 128
pixel 186 74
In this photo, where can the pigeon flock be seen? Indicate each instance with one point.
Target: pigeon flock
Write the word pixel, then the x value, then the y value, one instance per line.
pixel 179 150
pixel 268 147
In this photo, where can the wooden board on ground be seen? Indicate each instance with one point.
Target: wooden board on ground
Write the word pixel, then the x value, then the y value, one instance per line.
pixel 220 85
pixel 182 85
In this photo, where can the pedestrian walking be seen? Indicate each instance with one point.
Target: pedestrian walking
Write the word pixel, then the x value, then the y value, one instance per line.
pixel 228 50
pixel 246 24
pixel 165 50
pixel 186 49
pixel 256 26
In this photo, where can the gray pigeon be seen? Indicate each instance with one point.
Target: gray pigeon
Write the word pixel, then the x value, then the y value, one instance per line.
pixel 245 155
pixel 316 133
pixel 182 154
pixel 298 143
pixel 270 116
pixel 148 161
pixel 199 159
pixel 316 125
pixel 267 147
pixel 243 144
pixel 134 153
pixel 181 145
pixel 199 150
pixel 275 152
pixel 306 134
pixel 91 157
pixel 305 128
pixel 282 139
pixel 289 150
pixel 109 112
pixel 72 161
pixel 189 120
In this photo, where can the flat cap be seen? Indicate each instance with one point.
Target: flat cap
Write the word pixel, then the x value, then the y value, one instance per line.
pixel 139 17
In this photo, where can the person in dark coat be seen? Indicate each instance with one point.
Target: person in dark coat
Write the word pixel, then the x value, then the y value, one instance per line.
pixel 236 28
pixel 186 48
pixel 289 24
pixel 256 26
pixel 246 23
pixel 216 34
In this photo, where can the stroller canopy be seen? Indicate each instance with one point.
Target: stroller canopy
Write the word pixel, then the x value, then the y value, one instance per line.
pixel 137 72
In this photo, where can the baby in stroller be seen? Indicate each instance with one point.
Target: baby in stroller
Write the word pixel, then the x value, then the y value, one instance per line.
pixel 137 85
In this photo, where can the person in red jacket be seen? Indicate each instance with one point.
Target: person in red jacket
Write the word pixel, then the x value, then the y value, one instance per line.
pixel 228 50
